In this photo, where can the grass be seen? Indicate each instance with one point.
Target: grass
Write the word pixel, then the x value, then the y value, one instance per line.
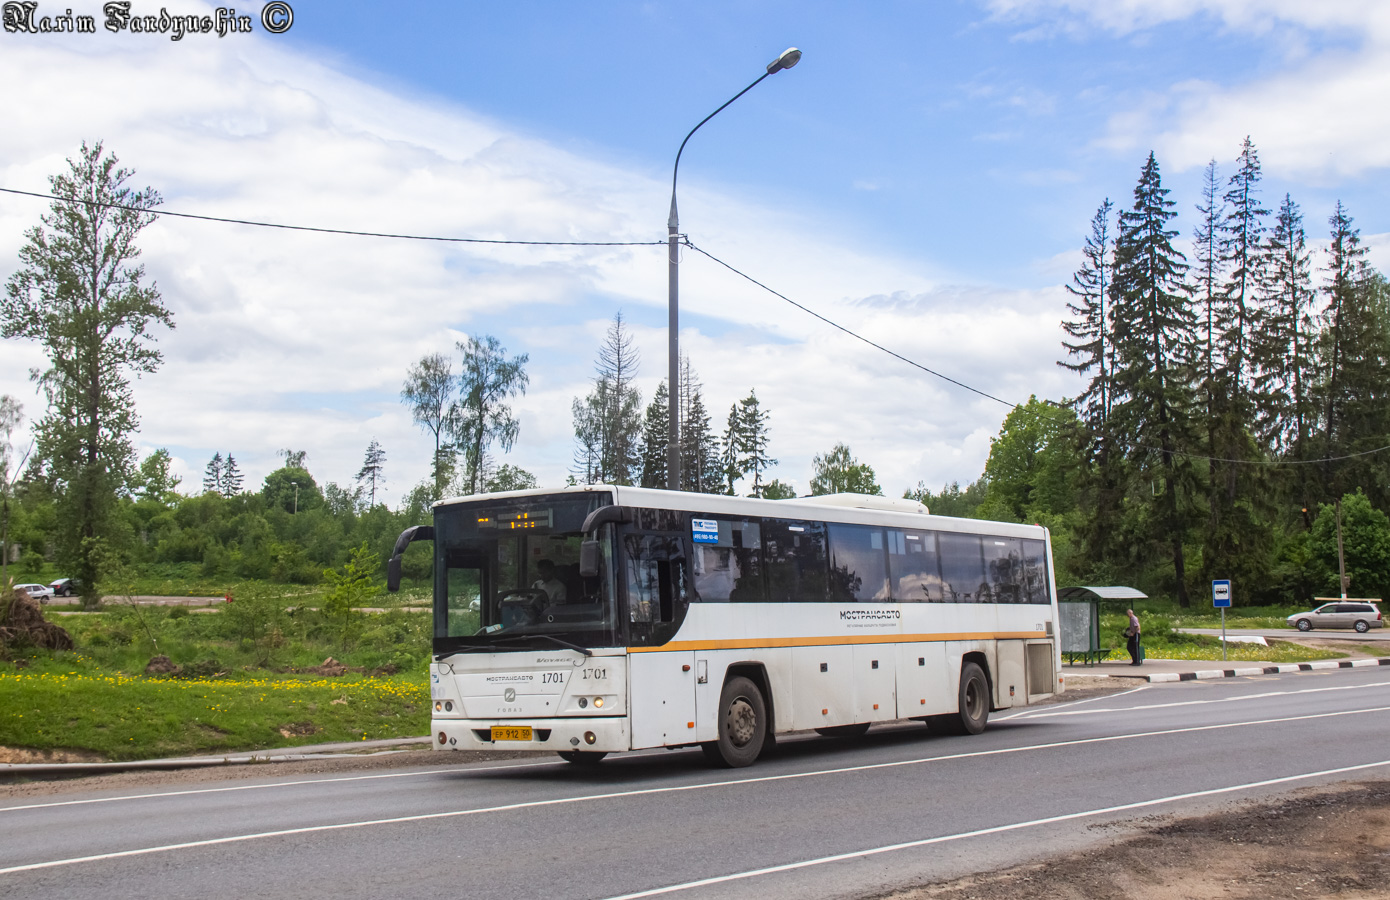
pixel 1277 652
pixel 1163 641
pixel 55 706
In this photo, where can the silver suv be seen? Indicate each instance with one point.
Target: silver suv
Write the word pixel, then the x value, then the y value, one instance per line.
pixel 1356 614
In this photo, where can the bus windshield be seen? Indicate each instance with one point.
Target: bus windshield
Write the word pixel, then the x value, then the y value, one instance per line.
pixel 507 576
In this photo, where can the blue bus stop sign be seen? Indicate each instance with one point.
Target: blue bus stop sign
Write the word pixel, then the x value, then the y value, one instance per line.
pixel 1221 594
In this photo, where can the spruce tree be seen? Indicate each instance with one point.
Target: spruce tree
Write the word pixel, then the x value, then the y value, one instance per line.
pixel 699 447
pixel 212 475
pixel 231 477
pixel 754 434
pixel 654 437
pixel 1154 334
pixel 1092 350
pixel 1282 352
pixel 731 450
pixel 1351 386
pixel 1237 533
pixel 701 471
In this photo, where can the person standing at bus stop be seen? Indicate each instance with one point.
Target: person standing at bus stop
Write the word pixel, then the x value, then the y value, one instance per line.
pixel 1132 633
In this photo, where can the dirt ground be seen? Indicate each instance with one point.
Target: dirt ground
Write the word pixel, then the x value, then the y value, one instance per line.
pixel 1317 842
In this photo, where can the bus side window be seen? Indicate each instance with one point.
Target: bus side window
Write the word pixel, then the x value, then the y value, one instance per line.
pixel 963 568
pixel 1004 565
pixel 858 564
pixel 914 567
pixel 797 562
pixel 730 569
pixel 1035 571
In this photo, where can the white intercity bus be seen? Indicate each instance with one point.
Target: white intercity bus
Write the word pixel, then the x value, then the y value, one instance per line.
pixel 600 618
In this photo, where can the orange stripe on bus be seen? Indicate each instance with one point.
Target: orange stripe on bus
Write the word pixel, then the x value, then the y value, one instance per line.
pixel 749 643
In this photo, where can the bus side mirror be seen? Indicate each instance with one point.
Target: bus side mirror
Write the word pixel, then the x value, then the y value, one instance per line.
pixel 393 565
pixel 589 559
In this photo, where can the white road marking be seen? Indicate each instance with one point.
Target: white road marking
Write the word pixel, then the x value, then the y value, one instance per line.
pixel 1042 714
pixel 1028 713
pixel 998 829
pixel 277 784
pixel 643 792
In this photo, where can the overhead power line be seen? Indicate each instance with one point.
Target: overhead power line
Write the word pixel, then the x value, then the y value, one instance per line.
pixel 347 231
pixel 858 337
pixel 915 364
pixel 662 243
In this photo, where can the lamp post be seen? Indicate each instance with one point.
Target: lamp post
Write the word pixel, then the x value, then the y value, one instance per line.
pixel 789 58
pixel 296 498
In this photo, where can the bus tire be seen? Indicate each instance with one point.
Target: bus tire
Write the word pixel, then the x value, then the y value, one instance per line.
pixel 844 731
pixel 973 704
pixel 582 757
pixel 742 725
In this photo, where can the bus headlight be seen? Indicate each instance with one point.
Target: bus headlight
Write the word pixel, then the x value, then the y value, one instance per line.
pixel 598 702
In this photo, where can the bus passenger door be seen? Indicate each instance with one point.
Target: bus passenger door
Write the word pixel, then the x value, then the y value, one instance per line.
pixel 661 683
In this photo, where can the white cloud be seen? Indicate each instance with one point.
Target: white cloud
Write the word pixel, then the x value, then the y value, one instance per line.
pixel 1315 116
pixel 298 340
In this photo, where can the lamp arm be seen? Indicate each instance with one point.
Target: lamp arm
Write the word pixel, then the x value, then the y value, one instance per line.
pixel 673 222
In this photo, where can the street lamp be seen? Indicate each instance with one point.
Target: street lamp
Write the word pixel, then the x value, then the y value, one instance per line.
pixel 296 497
pixel 789 58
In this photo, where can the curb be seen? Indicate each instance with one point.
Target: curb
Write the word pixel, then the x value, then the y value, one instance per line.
pixel 1208 674
pixel 284 754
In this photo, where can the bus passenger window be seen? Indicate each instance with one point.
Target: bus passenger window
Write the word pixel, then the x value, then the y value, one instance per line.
pixel 1035 572
pixel 797 563
pixel 1004 566
pixel 729 568
pixel 914 566
pixel 963 568
pixel 858 564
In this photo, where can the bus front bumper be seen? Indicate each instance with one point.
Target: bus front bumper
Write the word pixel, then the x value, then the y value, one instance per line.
pixel 595 734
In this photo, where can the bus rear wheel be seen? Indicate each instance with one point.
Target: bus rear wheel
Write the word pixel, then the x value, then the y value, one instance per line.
pixel 742 725
pixel 582 757
pixel 973 708
pixel 844 731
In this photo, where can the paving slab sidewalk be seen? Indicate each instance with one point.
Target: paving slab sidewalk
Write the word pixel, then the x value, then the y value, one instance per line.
pixel 1167 670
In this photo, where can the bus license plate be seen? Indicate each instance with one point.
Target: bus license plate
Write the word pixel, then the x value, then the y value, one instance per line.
pixel 511 733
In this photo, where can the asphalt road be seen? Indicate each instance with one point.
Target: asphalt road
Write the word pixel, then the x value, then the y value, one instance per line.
pixel 821 818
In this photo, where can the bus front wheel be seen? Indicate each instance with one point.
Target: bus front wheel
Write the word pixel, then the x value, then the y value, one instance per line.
pixel 742 725
pixel 974 704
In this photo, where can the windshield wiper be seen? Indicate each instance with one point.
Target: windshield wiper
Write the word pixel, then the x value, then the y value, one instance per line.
pixel 521 639
pixel 566 644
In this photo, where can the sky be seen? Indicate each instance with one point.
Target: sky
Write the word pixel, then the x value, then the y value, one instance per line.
pixel 924 177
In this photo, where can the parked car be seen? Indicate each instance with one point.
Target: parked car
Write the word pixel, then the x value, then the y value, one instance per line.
pixel 66 587
pixel 37 592
pixel 1339 614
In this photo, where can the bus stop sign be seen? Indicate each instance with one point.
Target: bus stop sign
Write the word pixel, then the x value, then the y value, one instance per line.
pixel 1221 594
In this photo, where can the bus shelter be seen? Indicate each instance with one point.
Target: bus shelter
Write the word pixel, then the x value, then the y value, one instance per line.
pixel 1080 613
